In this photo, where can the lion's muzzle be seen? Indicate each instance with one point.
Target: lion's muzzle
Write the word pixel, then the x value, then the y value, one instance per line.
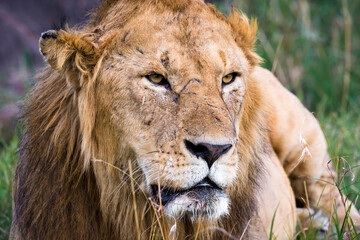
pixel 205 199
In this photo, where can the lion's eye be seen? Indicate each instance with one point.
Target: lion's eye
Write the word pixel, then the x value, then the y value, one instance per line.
pixel 158 79
pixel 155 78
pixel 227 79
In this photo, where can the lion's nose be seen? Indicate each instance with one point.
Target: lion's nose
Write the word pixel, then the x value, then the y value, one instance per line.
pixel 209 152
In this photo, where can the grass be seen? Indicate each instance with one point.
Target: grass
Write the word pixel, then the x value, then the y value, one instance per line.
pixel 8 159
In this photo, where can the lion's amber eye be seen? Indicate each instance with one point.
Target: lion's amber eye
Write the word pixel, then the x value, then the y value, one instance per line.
pixel 227 79
pixel 155 78
pixel 158 79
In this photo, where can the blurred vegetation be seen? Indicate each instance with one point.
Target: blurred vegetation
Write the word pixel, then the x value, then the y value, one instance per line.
pixel 313 47
pixel 8 159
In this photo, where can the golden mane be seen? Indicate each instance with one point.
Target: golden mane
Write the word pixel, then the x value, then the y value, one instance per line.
pixel 50 153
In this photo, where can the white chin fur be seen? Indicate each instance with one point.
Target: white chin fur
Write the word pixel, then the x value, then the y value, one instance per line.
pixel 209 207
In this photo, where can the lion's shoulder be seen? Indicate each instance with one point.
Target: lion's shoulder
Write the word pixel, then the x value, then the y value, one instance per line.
pixel 286 119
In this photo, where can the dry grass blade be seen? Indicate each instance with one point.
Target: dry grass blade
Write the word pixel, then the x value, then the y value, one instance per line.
pixel 277 54
pixel 246 227
pixel 134 201
pixel 224 232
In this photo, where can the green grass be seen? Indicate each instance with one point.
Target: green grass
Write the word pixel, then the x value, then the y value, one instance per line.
pixel 343 133
pixel 8 159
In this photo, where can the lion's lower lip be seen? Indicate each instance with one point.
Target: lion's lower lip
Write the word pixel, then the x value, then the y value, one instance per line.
pixel 206 185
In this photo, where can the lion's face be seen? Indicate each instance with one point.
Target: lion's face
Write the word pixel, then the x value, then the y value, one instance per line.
pixel 175 90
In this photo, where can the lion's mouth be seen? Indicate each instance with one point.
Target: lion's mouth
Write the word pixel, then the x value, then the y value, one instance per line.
pixel 199 191
pixel 205 199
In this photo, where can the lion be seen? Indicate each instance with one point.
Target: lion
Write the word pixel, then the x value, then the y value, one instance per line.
pixel 154 120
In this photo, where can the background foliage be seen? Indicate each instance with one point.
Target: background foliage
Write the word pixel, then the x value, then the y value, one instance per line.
pixel 313 47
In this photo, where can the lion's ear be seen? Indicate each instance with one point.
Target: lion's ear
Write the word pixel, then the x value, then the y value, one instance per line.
pixel 245 34
pixel 69 54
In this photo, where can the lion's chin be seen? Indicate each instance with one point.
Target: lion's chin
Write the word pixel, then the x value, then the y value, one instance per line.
pixel 203 201
pixel 199 203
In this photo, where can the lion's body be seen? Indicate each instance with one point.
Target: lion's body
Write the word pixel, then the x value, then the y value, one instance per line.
pixel 99 136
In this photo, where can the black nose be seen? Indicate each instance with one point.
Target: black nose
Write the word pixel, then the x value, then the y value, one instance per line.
pixel 209 152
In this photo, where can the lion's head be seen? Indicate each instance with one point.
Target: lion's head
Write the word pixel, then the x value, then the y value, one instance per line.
pixel 163 86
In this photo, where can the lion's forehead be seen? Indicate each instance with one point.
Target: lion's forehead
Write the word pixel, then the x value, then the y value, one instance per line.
pixel 198 43
pixel 185 26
